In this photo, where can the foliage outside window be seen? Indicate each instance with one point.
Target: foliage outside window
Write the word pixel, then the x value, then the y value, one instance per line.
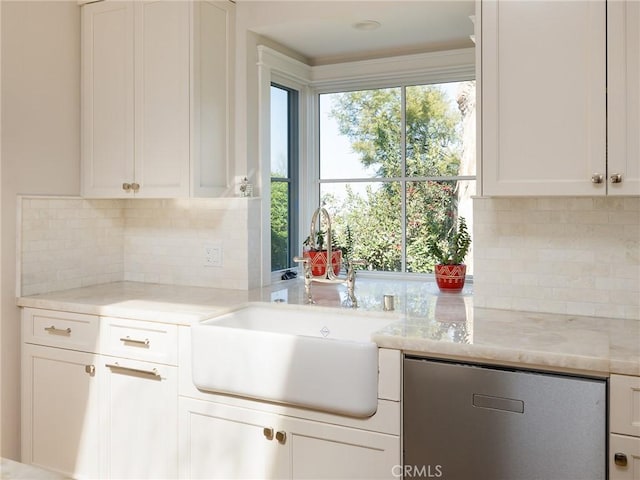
pixel 397 169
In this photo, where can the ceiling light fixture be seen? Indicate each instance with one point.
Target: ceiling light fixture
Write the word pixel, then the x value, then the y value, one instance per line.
pixel 366 25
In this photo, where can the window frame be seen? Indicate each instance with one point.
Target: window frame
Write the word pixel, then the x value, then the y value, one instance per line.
pixel 311 81
pixel 293 167
pixel 402 180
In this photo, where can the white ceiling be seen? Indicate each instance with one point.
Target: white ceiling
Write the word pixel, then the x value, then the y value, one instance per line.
pixel 322 31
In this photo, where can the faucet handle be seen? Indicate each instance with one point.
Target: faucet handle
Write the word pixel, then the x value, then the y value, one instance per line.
pixel 353 263
pixel 306 267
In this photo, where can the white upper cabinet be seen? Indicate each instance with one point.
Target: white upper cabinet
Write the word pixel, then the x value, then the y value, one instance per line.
pixel 107 97
pixel 544 97
pixel 155 100
pixel 623 70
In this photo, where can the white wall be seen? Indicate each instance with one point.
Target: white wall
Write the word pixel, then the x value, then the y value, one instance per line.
pixel 40 151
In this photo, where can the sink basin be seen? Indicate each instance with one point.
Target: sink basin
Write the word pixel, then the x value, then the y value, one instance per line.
pixel 304 356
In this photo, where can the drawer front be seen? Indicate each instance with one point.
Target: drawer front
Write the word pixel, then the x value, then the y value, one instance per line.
pixel 625 404
pixel 139 340
pixel 624 457
pixel 60 329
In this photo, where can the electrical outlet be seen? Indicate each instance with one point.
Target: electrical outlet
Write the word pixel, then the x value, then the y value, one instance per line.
pixel 213 255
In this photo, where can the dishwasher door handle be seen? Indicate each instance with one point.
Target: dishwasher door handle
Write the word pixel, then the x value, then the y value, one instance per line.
pixel 498 403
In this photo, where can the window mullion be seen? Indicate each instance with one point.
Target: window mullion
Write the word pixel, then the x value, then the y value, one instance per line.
pixel 403 182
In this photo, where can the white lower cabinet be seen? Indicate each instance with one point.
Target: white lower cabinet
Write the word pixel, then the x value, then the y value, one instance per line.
pixel 60 411
pixel 138 419
pixel 324 451
pixel 90 414
pixel 624 440
pixel 224 442
pixel 624 457
pixel 228 442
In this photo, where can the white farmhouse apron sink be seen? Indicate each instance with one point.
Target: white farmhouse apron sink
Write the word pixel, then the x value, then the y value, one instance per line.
pixel 304 356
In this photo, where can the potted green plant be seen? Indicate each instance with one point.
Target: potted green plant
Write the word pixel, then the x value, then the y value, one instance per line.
pixel 449 253
pixel 317 253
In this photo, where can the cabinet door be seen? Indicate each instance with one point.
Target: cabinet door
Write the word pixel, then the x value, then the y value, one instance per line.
pixel 139 419
pixel 325 451
pixel 60 417
pixel 225 442
pixel 623 58
pixel 107 98
pixel 629 447
pixel 212 117
pixel 162 93
pixel 624 398
pixel 543 97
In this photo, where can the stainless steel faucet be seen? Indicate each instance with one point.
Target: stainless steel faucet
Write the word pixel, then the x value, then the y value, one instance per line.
pixel 329 276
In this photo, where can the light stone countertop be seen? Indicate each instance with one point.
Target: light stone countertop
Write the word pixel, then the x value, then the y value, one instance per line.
pixel 12 470
pixel 141 301
pixel 424 321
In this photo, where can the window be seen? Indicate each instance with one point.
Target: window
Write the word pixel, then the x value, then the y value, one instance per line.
pixel 284 168
pixel 393 174
pixel 397 168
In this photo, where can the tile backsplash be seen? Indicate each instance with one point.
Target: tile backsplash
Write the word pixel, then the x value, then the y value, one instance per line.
pixel 558 255
pixel 164 242
pixel 568 255
pixel 68 242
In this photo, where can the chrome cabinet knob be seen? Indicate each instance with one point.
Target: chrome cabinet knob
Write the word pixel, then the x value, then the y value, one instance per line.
pixel 615 178
pixel 135 187
pixel 620 459
pixel 126 186
pixel 268 433
pixel 597 178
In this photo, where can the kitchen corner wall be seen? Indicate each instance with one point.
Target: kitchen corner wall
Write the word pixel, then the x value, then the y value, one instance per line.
pixel 72 242
pixel 576 256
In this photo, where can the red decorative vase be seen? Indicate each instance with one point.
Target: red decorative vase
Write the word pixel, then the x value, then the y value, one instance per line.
pixel 319 262
pixel 450 278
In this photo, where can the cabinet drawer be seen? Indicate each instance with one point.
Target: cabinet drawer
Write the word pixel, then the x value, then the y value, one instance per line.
pixel 625 404
pixel 627 449
pixel 60 329
pixel 139 340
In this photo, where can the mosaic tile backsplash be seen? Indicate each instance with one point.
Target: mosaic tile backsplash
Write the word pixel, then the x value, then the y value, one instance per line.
pixel 558 255
pixel 71 242
pixel 578 256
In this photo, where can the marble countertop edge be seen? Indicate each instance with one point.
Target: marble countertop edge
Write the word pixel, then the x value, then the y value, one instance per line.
pixel 497 355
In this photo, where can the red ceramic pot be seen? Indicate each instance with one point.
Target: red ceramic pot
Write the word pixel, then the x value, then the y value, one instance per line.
pixel 319 262
pixel 450 278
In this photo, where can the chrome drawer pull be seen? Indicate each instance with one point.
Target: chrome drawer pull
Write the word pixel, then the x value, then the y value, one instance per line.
pixel 144 342
pixel 58 331
pixel 153 372
pixel 620 459
pixel 616 178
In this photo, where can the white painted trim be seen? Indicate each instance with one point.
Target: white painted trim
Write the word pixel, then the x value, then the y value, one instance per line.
pixel 477 27
pixel 275 67
pixel 452 65
pixel 285 66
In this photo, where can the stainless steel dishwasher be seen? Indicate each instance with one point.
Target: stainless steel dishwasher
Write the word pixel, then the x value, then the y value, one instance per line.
pixel 475 422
